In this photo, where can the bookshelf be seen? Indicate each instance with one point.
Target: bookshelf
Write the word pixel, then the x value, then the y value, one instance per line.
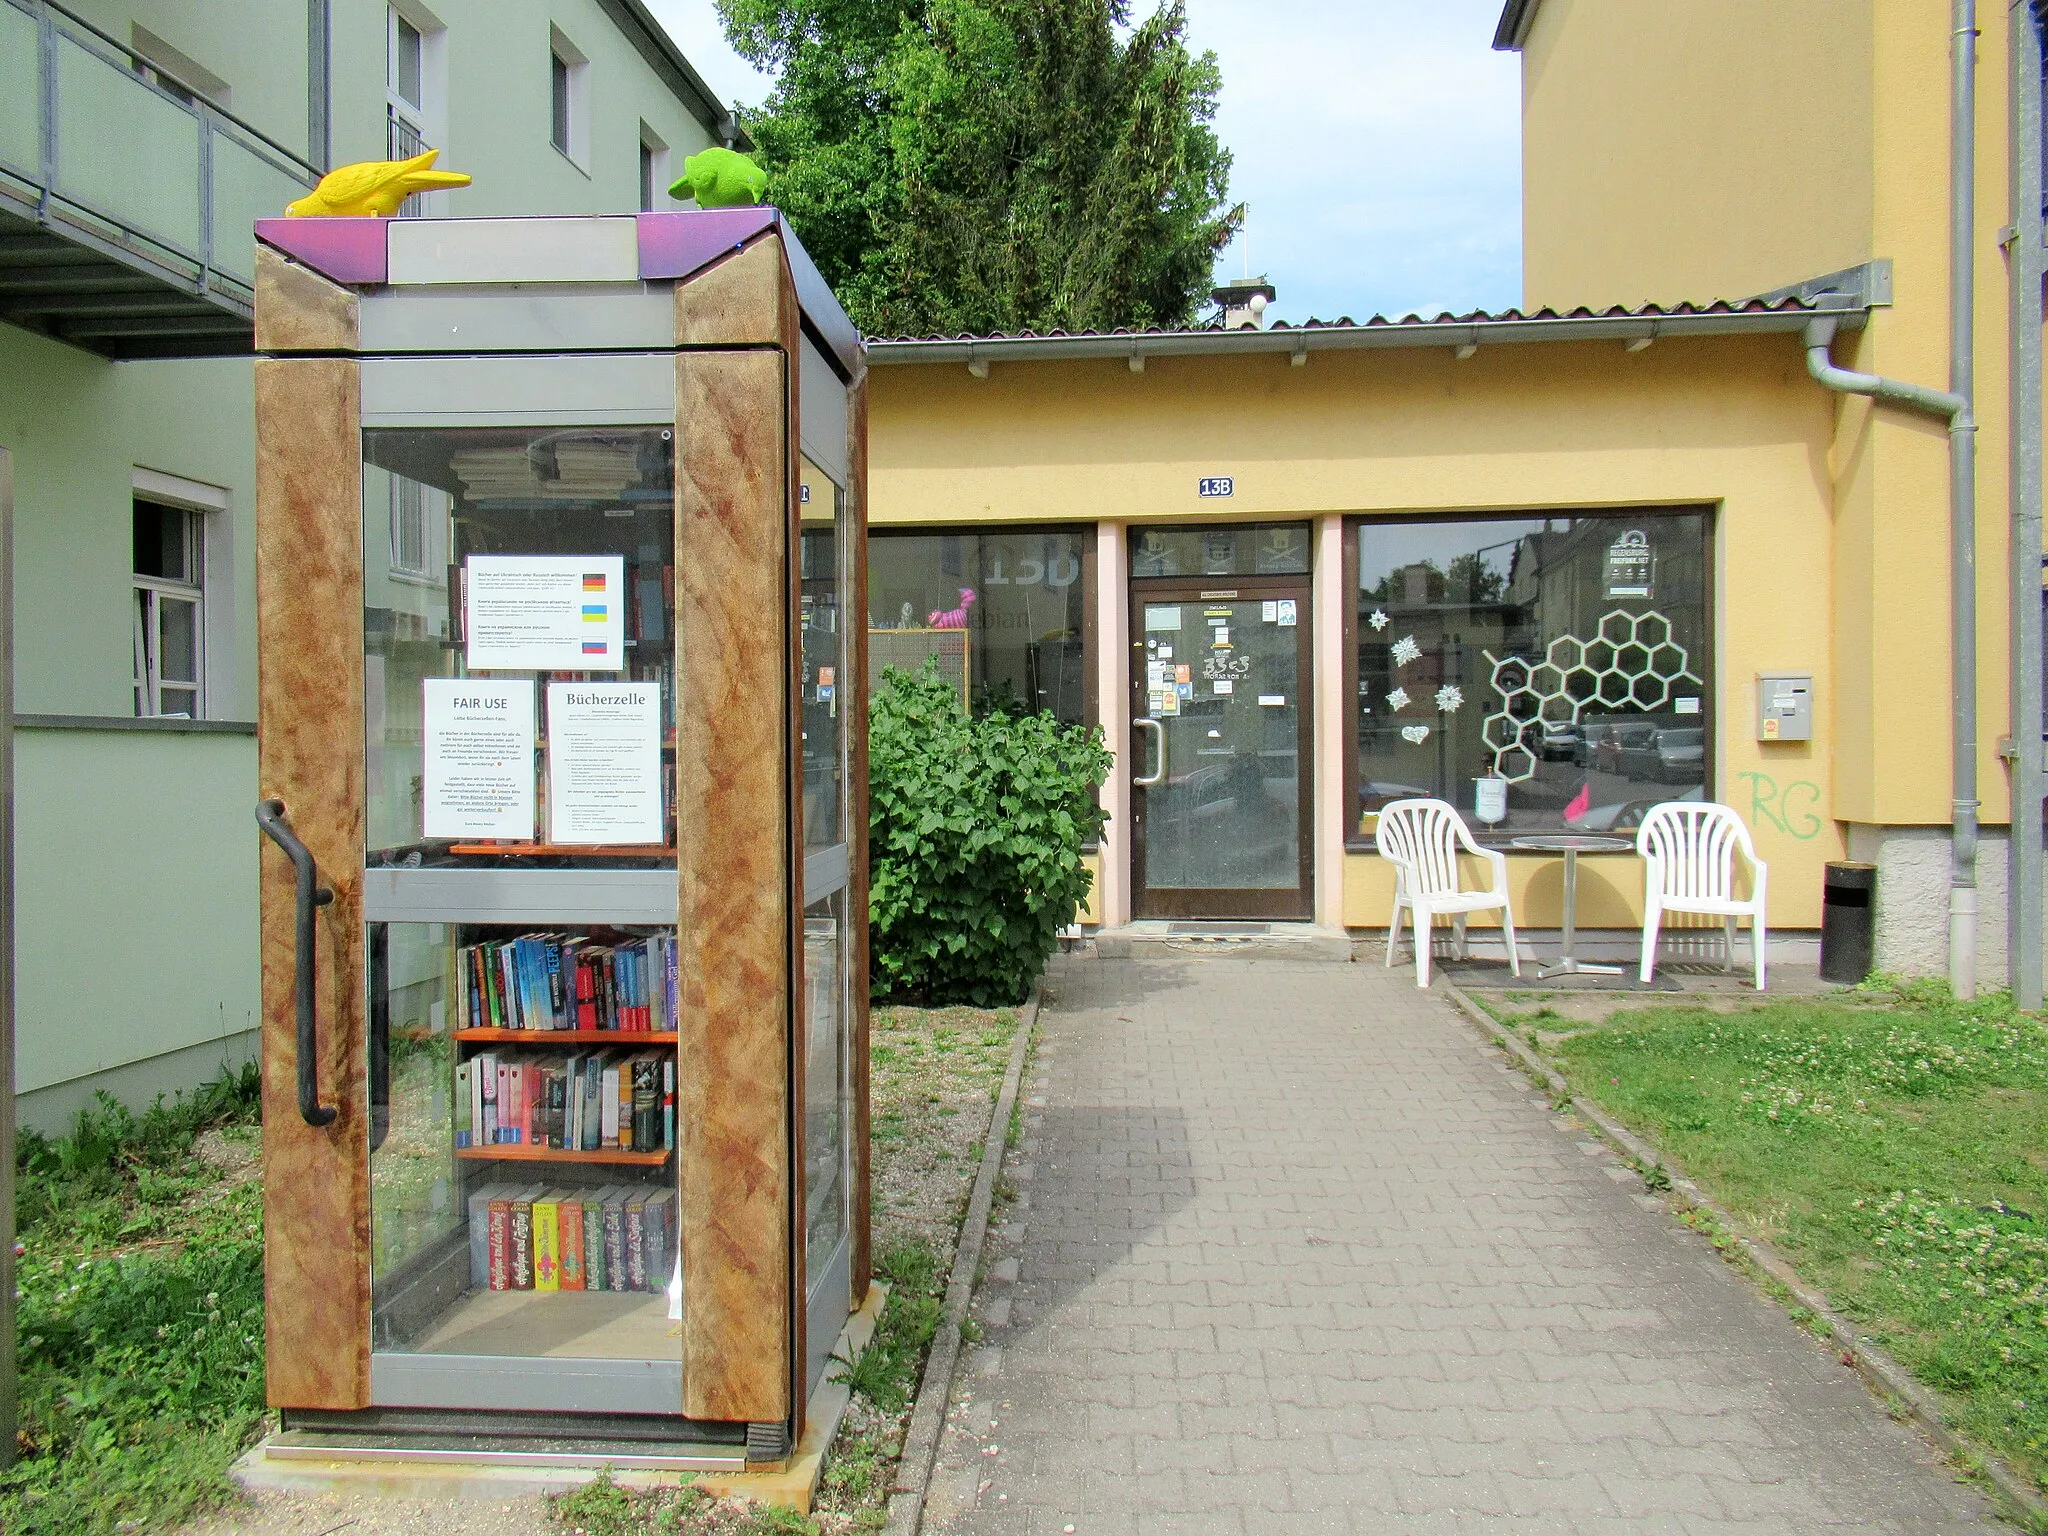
pixel 568 1036
pixel 518 1153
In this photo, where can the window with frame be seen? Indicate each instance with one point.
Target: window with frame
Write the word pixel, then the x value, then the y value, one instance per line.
pixel 169 610
pixel 568 99
pixel 1540 673
pixel 654 177
pixel 410 94
pixel 1004 610
pixel 411 542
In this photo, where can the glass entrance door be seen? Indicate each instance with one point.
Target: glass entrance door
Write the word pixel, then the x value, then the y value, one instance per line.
pixel 1220 749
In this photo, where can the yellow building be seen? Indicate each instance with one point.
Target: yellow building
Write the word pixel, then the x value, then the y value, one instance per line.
pixel 1297 572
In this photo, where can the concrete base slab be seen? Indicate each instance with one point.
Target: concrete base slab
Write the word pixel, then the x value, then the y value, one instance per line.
pixel 1178 938
pixel 305 1462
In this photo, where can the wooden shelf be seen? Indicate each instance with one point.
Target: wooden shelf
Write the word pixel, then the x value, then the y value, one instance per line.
pixel 520 1153
pixel 570 1036
pixel 566 850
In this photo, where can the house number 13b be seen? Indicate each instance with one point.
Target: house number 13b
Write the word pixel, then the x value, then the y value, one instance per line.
pixel 1214 485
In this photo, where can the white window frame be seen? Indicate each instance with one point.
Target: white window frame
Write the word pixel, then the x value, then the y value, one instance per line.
pixel 213 527
pixel 424 122
pixel 576 70
pixel 147 621
pixel 654 165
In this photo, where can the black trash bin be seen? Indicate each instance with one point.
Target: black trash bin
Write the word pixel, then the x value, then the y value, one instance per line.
pixel 1848 922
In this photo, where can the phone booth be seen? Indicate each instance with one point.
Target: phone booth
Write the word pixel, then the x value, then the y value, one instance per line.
pixel 559 525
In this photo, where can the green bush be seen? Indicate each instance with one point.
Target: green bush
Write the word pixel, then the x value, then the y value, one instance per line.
pixel 976 828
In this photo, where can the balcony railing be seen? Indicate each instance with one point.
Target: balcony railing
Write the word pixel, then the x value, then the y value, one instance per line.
pixel 127 209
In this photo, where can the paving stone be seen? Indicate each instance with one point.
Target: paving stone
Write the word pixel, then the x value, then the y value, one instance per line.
pixel 1303 1258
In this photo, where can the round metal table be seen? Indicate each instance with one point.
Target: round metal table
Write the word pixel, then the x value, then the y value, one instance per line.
pixel 1571 845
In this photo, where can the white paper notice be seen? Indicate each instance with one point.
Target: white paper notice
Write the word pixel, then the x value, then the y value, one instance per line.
pixel 479 758
pixel 545 613
pixel 604 763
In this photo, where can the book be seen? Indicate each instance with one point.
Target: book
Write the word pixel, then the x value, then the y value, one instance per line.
pixel 593 1103
pixel 519 1238
pixel 658 1220
pixel 668 1101
pixel 487 1118
pixel 499 1236
pixel 646 1101
pixel 479 1205
pixel 547 1260
pixel 615 1239
pixel 571 1240
pixel 593 1239
pixel 608 1104
pixel 463 1126
pixel 636 1242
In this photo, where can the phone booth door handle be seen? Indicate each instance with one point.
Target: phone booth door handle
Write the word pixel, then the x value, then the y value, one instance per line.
pixel 310 895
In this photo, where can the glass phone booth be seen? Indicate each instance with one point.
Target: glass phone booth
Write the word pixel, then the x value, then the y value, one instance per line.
pixel 564 889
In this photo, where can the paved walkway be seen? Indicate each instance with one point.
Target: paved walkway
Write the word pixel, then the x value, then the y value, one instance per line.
pixel 1296 1253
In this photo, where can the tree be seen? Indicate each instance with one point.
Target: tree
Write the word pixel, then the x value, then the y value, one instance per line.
pixel 993 165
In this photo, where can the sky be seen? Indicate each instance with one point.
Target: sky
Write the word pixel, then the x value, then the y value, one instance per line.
pixel 1377 146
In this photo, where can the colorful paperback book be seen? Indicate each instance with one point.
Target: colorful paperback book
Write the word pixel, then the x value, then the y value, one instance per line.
pixel 593 1239
pixel 615 1240
pixel 636 1242
pixel 571 1240
pixel 480 1200
pixel 547 1251
pixel 520 1239
pixel 658 1221
pixel 463 1124
pixel 668 1100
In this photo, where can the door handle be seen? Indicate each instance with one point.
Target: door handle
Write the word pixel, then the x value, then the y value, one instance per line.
pixel 380 1033
pixel 309 894
pixel 1159 773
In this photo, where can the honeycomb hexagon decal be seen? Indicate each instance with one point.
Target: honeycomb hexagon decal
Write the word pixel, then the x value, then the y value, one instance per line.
pixel 1631 659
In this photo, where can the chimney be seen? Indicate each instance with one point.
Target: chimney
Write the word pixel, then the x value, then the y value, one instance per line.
pixel 1244 304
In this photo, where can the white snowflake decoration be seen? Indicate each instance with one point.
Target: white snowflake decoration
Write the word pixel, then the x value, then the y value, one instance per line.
pixel 1378 619
pixel 1406 650
pixel 1398 700
pixel 1416 734
pixel 1449 697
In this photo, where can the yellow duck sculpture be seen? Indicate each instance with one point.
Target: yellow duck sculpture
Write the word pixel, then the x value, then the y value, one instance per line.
pixel 373 189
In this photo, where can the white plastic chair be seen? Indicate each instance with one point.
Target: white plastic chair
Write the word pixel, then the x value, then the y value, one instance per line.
pixel 1422 839
pixel 1688 849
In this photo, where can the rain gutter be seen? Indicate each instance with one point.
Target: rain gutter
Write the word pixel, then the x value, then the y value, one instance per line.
pixel 1954 405
pixel 1300 342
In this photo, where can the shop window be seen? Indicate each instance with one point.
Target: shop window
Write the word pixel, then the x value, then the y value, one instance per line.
pixel 169 610
pixel 1569 659
pixel 1004 611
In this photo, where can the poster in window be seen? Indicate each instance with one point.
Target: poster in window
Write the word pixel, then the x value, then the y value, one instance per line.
pixel 477 767
pixel 545 613
pixel 604 763
pixel 1631 567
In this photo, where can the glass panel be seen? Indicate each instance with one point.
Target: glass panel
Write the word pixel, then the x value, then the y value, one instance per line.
pixel 590 506
pixel 163 542
pixel 1568 656
pixel 20 97
pixel 1016 598
pixel 247 185
pixel 825 1083
pixel 1267 549
pixel 824 536
pixel 1223 679
pixel 522 1173
pixel 178 626
pixel 558 84
pixel 125 150
pixel 405 60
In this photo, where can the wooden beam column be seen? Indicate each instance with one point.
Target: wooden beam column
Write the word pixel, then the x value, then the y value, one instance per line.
pixel 739 864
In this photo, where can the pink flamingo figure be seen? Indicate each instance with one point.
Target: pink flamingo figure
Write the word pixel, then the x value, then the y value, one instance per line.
pixel 953 618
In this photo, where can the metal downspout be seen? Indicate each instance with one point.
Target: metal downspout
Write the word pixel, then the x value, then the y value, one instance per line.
pixel 2026 917
pixel 1953 405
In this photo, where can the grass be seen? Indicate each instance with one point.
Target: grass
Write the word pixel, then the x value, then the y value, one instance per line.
pixel 934 1074
pixel 141 1311
pixel 1892 1144
pixel 140 1319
